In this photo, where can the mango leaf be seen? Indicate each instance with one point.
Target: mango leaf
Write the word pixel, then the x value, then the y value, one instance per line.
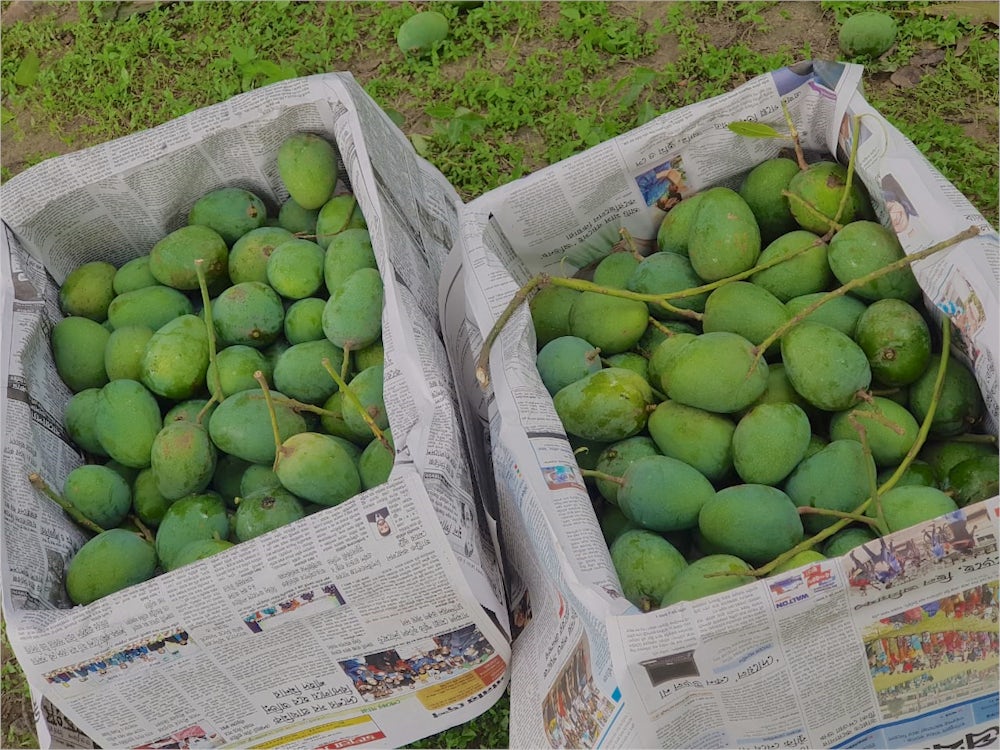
pixel 755 130
pixel 27 71
pixel 977 12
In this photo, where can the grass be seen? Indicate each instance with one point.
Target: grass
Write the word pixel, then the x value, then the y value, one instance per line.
pixel 515 86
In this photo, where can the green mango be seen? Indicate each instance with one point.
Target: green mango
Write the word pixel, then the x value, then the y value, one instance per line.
pixel 333 423
pixel 189 410
pixel 607 405
pixel 816 194
pixel 746 309
pixel 304 320
pixel 889 428
pixel 917 472
pixel 663 494
pixel 256 477
pixel 183 459
pixel 612 324
pixel 725 238
pixel 307 165
pixel 228 476
pixel 347 252
pixel 128 419
pixel 295 268
pixel 299 371
pixel 80 420
pixel 99 493
pixel 762 189
pixel 861 248
pixel 172 259
pixel 754 522
pixel 248 313
pixel 147 502
pixel 88 290
pixel 769 442
pixel 825 366
pixel 615 458
pixel 895 337
pixel 134 274
pixel 265 510
pixel 647 565
pixel 565 360
pixel 235 366
pixel 847 539
pixel 250 253
pixel 615 269
pixel 78 351
pixel 189 519
pixel 419 33
pixel 111 561
pixel 199 549
pixel 229 211
pixel 674 232
pixel 367 386
pixel 944 455
pixel 867 34
pixel 318 468
pixel 960 407
pixel 369 356
pixel 296 219
pixel 663 273
pixel 124 350
pixel 903 507
pixel 150 306
pixel 834 478
pixel 352 318
pixel 614 523
pixel 241 425
pixel 339 213
pixel 808 272
pixel 550 307
pixel 698 579
pixel 716 372
pixel 841 313
pixel 175 361
pixel 697 437
pixel 376 461
pixel 974 479
pixel 663 357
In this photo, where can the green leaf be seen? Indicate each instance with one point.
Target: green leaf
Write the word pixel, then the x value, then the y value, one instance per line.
pixel 755 130
pixel 27 71
pixel 440 112
pixel 6 115
pixel 397 117
pixel 421 144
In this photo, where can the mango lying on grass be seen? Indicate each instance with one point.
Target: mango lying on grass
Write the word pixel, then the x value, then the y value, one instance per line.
pixel 177 408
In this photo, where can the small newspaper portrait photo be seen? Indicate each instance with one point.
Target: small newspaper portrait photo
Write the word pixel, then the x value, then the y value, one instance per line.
pixel 380 521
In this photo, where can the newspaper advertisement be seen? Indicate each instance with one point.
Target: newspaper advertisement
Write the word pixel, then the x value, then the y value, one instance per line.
pixel 379 621
pixel 794 662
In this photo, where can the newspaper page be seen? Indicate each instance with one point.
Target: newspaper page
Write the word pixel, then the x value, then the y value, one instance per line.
pixel 324 632
pixel 694 660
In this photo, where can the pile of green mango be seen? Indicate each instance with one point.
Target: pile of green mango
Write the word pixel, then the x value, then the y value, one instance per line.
pixel 205 425
pixel 701 438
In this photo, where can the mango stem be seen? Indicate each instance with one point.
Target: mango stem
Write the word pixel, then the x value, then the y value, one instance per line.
pixel 215 395
pixel 262 381
pixel 71 510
